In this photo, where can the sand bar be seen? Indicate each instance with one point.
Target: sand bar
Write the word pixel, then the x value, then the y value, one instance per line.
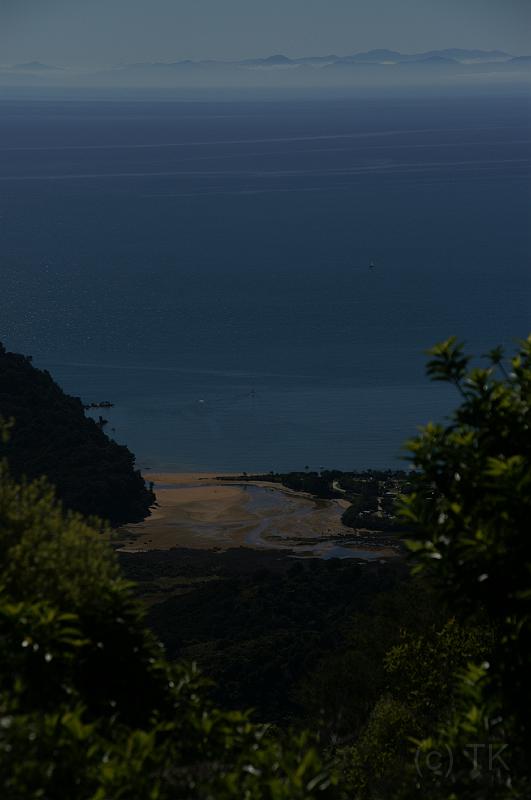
pixel 195 510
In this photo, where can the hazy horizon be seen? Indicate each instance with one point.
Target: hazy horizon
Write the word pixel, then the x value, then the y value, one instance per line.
pixel 77 35
pixel 453 70
pixel 266 56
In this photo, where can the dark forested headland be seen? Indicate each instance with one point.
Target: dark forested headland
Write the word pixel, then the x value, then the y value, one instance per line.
pixel 52 436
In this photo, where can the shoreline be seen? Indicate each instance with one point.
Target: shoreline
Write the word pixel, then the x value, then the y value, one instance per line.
pixel 199 510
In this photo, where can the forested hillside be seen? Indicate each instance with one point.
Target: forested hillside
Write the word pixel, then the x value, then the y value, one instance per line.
pixel 52 436
pixel 89 706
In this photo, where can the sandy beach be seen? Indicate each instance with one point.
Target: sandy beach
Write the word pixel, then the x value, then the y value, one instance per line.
pixel 197 510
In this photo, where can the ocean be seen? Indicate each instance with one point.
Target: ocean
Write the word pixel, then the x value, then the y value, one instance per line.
pixel 205 265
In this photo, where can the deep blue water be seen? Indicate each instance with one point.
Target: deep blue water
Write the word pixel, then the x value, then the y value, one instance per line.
pixel 205 265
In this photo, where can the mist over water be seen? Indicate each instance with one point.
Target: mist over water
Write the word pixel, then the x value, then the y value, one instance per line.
pixel 205 266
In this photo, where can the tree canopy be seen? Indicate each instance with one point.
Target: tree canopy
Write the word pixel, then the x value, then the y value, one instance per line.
pixel 454 721
pixel 89 705
pixel 52 436
pixel 472 510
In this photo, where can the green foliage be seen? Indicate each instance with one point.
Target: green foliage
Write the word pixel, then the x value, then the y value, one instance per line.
pixel 423 668
pixel 478 757
pixel 377 766
pixel 472 504
pixel 452 720
pixel 393 672
pixel 340 691
pixel 51 436
pixel 472 510
pixel 422 677
pixel 89 707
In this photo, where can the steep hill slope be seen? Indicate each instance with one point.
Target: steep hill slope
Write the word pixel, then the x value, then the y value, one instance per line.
pixel 52 436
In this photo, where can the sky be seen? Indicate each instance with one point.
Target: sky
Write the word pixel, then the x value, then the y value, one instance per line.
pixel 88 33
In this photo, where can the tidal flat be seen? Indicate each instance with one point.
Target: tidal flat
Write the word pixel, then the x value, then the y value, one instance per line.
pixel 201 511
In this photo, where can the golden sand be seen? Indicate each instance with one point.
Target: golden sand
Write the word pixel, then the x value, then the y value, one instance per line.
pixel 194 510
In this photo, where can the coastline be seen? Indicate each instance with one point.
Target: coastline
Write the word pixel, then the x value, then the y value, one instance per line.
pixel 198 510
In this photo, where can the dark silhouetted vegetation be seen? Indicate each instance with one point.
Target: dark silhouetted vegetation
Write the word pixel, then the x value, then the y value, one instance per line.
pixel 89 706
pixel 52 436
pixel 259 635
pixel 412 678
pixel 454 721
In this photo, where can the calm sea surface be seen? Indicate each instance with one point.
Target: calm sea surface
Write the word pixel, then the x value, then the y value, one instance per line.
pixel 205 266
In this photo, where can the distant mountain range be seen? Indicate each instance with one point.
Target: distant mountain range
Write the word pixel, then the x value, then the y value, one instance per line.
pixel 34 66
pixel 378 57
pixel 373 66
